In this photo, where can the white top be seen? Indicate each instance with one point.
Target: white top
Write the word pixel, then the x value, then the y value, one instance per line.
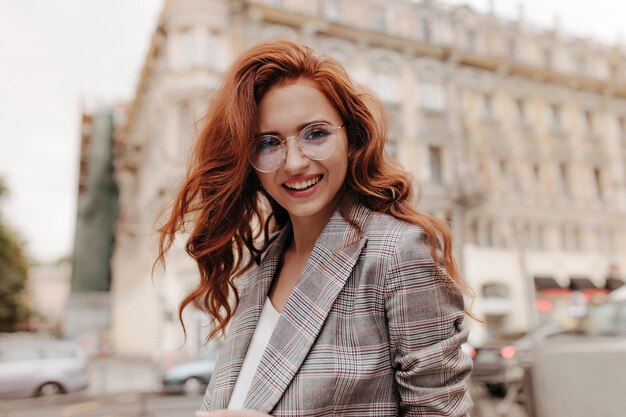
pixel 260 338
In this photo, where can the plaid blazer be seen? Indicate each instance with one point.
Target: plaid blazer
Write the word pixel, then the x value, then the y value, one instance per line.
pixel 369 329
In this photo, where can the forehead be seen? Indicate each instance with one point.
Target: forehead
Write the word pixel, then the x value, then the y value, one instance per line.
pixel 286 106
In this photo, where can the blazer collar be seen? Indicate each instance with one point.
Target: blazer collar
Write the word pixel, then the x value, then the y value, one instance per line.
pixel 253 287
pixel 332 259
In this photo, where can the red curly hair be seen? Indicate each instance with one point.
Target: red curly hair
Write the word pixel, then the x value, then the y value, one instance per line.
pixel 221 200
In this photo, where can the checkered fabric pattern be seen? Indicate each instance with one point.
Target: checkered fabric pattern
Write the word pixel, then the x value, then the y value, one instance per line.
pixel 369 330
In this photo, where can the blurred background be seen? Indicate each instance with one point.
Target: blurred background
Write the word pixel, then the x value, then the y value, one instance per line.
pixel 510 114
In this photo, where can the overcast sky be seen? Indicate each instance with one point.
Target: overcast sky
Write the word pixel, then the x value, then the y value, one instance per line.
pixel 53 53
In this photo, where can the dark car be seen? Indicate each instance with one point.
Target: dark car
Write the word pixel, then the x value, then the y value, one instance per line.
pixel 190 377
pixel 501 360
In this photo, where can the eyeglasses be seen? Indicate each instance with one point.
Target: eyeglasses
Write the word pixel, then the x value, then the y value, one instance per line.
pixel 317 141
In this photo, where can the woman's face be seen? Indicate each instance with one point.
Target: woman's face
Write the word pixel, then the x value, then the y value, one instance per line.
pixel 308 189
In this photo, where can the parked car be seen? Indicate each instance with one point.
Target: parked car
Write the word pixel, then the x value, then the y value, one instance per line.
pixel 607 319
pixel 190 377
pixel 43 368
pixel 501 360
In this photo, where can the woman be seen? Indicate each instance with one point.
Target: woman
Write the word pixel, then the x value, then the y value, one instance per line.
pixel 340 298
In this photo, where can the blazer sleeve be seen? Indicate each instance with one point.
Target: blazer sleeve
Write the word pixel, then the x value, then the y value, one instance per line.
pixel 425 333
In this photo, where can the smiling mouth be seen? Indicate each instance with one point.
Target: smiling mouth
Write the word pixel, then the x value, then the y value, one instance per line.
pixel 302 185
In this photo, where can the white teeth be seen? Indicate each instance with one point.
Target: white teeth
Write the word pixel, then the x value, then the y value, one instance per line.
pixel 301 185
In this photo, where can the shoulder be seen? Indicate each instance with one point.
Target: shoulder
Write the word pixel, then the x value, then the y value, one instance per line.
pixel 390 235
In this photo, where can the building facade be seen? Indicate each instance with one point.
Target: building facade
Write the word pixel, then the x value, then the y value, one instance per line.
pixel 48 291
pixel 516 135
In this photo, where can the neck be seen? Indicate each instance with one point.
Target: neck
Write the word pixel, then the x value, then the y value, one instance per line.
pixel 305 234
pixel 306 230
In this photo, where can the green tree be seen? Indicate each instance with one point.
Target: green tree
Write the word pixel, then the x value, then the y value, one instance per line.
pixel 14 312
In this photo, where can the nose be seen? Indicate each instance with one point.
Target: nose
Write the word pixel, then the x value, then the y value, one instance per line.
pixel 295 160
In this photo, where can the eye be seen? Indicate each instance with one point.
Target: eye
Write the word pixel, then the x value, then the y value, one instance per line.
pixel 315 133
pixel 266 144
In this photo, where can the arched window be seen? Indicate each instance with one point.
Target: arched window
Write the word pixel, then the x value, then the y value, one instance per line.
pixel 496 306
pixel 496 290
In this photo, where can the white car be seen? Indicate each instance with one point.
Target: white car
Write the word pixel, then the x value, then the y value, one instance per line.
pixel 41 368
pixel 618 295
pixel 191 377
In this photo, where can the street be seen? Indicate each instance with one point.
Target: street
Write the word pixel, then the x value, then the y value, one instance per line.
pixel 127 387
pixel 160 405
pixel 123 405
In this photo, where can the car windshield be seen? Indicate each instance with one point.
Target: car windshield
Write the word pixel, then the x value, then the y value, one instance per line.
pixel 18 355
pixel 604 319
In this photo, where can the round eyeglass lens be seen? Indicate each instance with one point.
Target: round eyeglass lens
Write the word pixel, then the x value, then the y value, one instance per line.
pixel 318 141
pixel 267 154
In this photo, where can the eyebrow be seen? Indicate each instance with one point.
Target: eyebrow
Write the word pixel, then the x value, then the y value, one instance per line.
pixel 298 128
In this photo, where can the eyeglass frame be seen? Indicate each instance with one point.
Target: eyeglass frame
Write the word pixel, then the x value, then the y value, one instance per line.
pixel 283 143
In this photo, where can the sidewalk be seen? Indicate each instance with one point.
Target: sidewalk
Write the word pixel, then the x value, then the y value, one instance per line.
pixel 114 375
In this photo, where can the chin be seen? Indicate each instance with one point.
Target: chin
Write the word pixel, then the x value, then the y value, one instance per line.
pixel 306 211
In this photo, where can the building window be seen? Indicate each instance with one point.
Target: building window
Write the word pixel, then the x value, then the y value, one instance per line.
pixel 332 10
pixel 524 236
pixel 564 182
pixel 597 182
pixel 610 241
pixel 426 32
pixel 512 48
pixel 386 87
pixel 448 218
pixel 473 232
pixel 520 107
pixel 432 96
pixel 605 240
pixel 469 40
pixel 546 57
pixel 614 71
pixel 570 238
pixel 504 168
pixel 580 64
pixel 537 174
pixel 576 240
pixel 395 129
pixel 380 18
pixel 395 125
pixel 436 164
pixel 186 48
pixel 555 116
pixel 496 291
pixel 211 50
pixel 487 106
pixel 539 242
pixel 563 234
pixel 588 119
pixel 391 146
pixel 489 233
pixel 185 127
pixel 508 174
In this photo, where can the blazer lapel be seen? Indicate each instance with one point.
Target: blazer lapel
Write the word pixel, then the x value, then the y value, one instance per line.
pixel 332 260
pixel 255 285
